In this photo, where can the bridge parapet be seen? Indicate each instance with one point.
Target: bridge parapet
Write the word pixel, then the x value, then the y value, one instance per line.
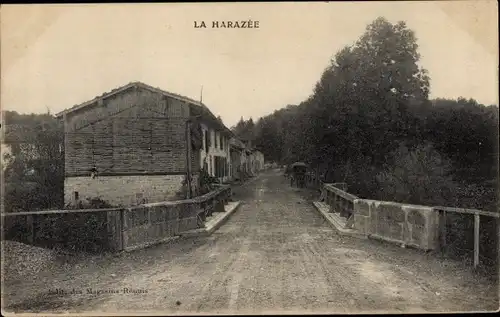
pixel 405 224
pixel 340 201
pixel 423 227
pixel 115 229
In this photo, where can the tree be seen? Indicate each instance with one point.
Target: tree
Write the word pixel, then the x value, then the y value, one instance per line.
pixel 34 175
pixel 420 176
pixel 240 126
pixel 245 129
pixel 370 99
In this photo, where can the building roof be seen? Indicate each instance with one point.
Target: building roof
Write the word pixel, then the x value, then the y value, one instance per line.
pixel 141 85
pixel 245 137
pixel 234 142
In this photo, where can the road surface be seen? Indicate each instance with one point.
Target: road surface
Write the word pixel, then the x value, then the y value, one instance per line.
pixel 275 254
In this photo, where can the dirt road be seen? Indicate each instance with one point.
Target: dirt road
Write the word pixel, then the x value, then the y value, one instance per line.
pixel 275 254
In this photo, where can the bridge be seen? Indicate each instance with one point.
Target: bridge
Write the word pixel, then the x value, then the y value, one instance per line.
pixel 276 253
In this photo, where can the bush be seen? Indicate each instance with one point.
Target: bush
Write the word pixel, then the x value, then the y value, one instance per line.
pixel 91 203
pixel 418 176
pixel 206 182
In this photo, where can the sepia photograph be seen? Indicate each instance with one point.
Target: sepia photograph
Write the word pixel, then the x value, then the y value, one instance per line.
pixel 249 158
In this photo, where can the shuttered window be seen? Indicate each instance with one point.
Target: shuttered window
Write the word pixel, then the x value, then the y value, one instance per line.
pixel 207 140
pixel 221 166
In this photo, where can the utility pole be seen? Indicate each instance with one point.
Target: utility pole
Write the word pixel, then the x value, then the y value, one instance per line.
pixel 188 158
pixel 188 153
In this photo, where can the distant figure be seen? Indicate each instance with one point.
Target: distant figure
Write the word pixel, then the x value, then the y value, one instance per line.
pixel 93 172
pixel 301 177
pixel 298 172
pixel 288 171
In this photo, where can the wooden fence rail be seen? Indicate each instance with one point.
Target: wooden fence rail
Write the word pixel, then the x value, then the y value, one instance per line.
pixel 443 211
pixel 339 201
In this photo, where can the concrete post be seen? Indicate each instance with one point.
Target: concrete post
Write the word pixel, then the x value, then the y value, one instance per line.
pixel 442 230
pixel 476 240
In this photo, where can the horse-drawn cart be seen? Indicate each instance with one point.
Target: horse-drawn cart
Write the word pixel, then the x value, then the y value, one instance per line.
pixel 298 172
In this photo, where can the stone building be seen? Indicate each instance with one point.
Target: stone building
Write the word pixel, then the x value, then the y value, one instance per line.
pixel 215 153
pixel 139 144
pixel 237 149
pixel 257 164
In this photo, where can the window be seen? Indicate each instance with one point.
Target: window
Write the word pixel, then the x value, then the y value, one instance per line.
pixel 216 170
pixel 220 169
pixel 215 139
pixel 211 167
pixel 76 196
pixel 221 166
pixel 209 139
pixel 203 146
pixel 206 140
pixel 222 141
pixel 226 169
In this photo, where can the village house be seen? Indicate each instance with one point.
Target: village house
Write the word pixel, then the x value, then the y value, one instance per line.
pixel 139 144
pixel 252 159
pixel 237 149
pixel 257 161
pixel 246 159
pixel 215 153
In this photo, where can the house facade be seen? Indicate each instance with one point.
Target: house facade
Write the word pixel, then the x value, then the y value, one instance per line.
pixel 215 153
pixel 246 161
pixel 135 144
pixel 257 161
pixel 252 159
pixel 236 152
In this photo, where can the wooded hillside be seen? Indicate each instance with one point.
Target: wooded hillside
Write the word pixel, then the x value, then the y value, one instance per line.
pixel 370 123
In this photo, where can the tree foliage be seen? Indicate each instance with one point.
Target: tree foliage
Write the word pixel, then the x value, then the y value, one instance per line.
pixel 245 129
pixel 420 176
pixel 34 166
pixel 370 118
pixel 369 122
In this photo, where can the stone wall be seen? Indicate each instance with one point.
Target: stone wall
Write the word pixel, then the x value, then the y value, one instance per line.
pixel 406 224
pixel 124 190
pixel 152 223
pixel 114 229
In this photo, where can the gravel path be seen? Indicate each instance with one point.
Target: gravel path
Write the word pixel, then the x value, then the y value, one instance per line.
pixel 275 254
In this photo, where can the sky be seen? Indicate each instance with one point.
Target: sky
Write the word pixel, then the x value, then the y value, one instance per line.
pixel 56 56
